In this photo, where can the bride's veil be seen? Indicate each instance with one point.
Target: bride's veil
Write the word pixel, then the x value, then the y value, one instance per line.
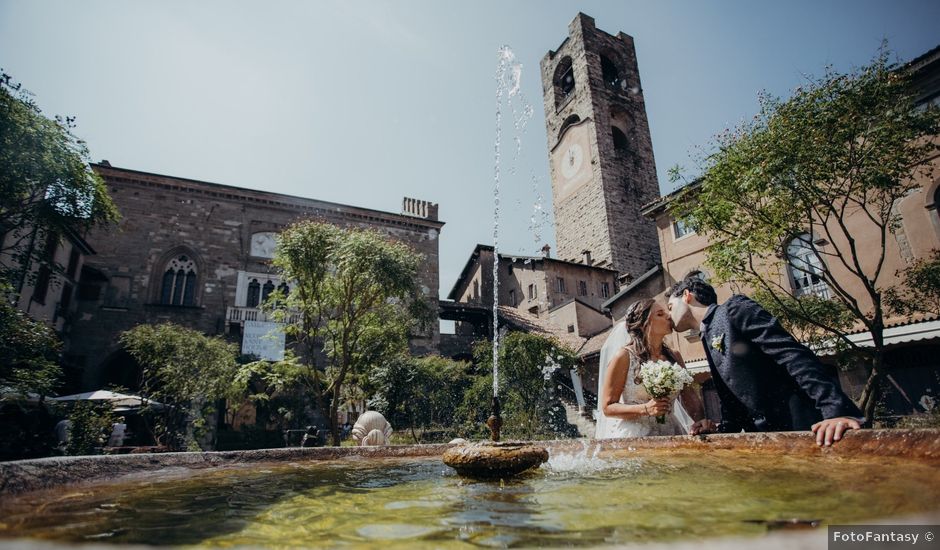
pixel 617 339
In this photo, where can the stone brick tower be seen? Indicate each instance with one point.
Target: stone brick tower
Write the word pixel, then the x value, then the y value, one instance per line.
pixel 601 163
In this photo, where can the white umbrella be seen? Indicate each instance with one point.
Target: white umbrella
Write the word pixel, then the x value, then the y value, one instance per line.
pixel 114 398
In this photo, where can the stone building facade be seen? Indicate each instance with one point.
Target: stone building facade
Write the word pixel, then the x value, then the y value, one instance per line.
pixel 46 288
pixel 536 294
pixel 601 155
pixel 535 285
pixel 198 254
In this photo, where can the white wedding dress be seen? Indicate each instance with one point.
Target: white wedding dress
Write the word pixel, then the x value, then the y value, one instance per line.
pixel 678 420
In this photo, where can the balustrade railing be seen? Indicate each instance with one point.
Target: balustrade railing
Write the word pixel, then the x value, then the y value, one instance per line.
pixel 236 314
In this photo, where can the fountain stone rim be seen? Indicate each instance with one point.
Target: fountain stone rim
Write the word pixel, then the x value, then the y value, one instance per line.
pixel 23 476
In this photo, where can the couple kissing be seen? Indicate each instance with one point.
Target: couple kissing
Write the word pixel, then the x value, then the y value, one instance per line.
pixel 765 379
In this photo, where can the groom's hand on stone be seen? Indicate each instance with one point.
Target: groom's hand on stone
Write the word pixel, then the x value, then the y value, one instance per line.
pixel 703 426
pixel 830 430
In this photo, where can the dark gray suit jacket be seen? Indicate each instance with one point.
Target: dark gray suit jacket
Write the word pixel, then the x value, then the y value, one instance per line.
pixel 765 379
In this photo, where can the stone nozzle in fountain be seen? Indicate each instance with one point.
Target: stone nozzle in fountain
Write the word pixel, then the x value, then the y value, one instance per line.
pixel 495 421
pixel 494 460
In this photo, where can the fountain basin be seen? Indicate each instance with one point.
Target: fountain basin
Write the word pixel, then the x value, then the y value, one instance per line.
pixel 634 490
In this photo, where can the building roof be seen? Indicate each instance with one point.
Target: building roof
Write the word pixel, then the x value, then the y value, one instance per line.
pixel 475 255
pixel 467 267
pixel 580 345
pixel 578 300
pixel 655 207
pixel 925 76
pixel 593 344
pixel 901 332
pixel 923 59
pixel 521 320
pixel 535 325
pixel 625 291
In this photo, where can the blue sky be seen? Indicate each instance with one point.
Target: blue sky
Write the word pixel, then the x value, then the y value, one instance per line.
pixel 363 103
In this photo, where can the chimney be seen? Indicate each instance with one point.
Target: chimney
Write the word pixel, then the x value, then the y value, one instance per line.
pixel 419 209
pixel 546 251
pixel 586 257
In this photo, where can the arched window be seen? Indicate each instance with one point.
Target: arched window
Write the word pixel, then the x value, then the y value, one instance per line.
pixel 178 287
pixel 621 125
pixel 936 200
pixel 610 72
pixel 573 119
pixel 283 289
pixel 805 267
pixel 563 81
pixel 620 139
pixel 266 290
pixel 254 294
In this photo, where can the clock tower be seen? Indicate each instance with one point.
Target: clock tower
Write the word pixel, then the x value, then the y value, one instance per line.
pixel 601 155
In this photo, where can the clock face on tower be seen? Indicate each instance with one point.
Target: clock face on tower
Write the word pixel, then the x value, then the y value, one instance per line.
pixel 571 160
pixel 262 245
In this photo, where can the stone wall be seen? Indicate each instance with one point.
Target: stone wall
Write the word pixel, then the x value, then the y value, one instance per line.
pixel 212 224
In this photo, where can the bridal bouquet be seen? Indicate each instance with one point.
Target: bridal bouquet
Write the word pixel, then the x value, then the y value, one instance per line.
pixel 662 379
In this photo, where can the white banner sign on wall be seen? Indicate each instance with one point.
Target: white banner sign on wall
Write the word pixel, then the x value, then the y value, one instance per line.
pixel 264 339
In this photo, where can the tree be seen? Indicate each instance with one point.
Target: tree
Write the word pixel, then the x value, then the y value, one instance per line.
pixel 810 185
pixel 185 370
pixel 357 297
pixel 419 392
pixel 273 387
pixel 29 352
pixel 89 428
pixel 920 291
pixel 46 185
pixel 530 407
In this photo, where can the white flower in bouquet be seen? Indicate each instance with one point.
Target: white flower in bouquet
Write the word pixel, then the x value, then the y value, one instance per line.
pixel 663 379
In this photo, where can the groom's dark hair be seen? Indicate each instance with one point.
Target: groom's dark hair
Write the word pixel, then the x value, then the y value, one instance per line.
pixel 702 291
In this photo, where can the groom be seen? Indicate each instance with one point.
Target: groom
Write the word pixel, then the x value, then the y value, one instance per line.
pixel 766 380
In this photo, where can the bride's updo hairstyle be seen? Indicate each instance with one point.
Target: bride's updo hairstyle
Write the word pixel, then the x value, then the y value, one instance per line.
pixel 638 325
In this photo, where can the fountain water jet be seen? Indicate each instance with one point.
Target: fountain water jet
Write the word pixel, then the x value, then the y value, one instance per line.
pixel 498 460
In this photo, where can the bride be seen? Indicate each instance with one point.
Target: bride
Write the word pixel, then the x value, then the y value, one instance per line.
pixel 624 407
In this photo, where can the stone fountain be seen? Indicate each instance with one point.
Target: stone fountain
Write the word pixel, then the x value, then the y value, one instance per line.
pixel 496 459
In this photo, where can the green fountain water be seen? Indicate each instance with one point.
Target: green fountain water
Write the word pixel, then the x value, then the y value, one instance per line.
pixel 619 497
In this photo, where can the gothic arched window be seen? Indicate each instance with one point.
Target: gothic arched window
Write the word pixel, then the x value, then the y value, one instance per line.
pixel 266 290
pixel 254 294
pixel 178 287
pixel 805 267
pixel 283 289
